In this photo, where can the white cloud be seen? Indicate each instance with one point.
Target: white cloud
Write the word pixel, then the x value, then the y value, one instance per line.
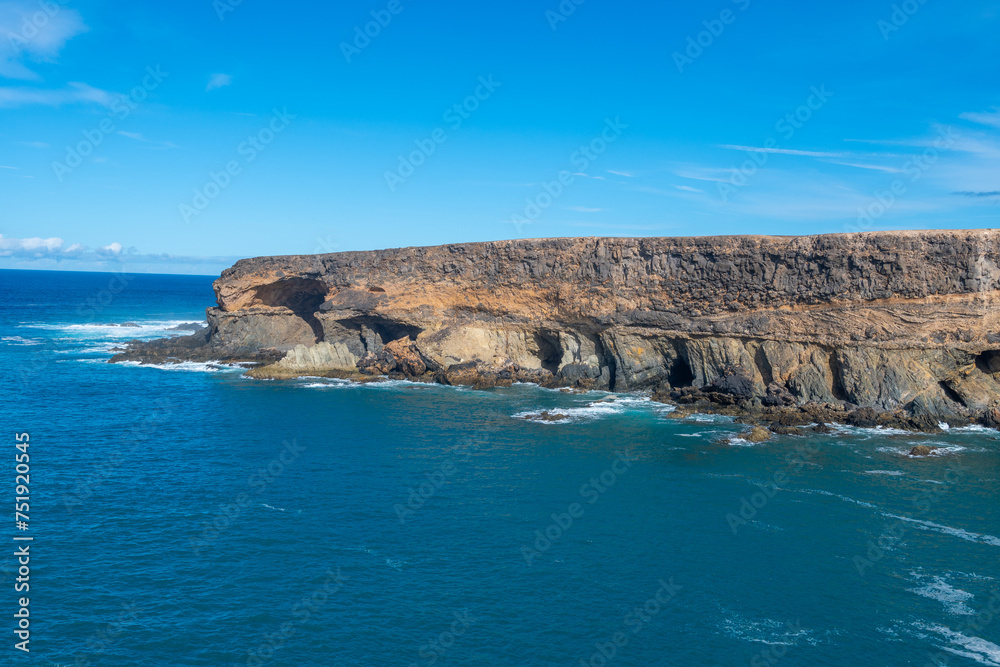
pixel 75 93
pixel 218 81
pixel 783 151
pixel 688 188
pixel 991 118
pixel 621 173
pixel 875 167
pixel 34 32
pixel 54 248
pixel 33 247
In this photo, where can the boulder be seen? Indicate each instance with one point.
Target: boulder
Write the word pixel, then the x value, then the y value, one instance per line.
pixel 757 434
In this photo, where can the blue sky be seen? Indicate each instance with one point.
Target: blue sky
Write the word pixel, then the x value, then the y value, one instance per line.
pixel 178 137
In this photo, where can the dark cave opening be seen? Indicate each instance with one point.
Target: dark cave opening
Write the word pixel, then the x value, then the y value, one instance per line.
pixel 549 350
pixel 303 296
pixel 988 361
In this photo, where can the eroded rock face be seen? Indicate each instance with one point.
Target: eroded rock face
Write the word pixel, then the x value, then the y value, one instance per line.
pixel 901 322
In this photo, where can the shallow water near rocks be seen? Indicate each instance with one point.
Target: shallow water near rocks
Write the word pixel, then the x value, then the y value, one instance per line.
pixel 183 514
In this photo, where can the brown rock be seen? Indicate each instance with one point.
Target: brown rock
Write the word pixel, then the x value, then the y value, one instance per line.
pixel 757 434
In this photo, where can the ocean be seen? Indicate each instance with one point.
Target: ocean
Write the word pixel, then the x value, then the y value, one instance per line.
pixel 187 515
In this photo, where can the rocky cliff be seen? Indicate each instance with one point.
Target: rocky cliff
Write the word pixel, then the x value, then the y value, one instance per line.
pixel 905 323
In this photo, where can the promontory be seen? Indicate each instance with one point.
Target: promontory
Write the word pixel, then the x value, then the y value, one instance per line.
pixel 897 328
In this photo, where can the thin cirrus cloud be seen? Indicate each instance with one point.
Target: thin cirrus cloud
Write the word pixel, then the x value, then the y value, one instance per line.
pixel 150 144
pixel 74 93
pixel 783 151
pixel 218 81
pixel 26 42
pixel 991 118
pixel 875 167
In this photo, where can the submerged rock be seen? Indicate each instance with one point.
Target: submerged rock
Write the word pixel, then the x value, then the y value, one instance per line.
pixel 923 450
pixel 546 416
pixel 757 434
pixel 188 326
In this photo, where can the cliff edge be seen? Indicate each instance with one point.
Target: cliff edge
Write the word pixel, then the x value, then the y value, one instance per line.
pixel 905 324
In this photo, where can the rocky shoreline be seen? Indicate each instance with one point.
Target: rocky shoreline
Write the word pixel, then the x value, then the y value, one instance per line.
pixel 896 329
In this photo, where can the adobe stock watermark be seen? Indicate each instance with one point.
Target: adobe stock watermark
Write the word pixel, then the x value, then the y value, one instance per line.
pixel 114 458
pixel 363 36
pixel 257 483
pixel 591 492
pixel 104 638
pixel 922 503
pixel 772 655
pixel 786 127
pixel 581 159
pixel 915 168
pixel 433 483
pixel 635 620
pixel 300 613
pixel 974 624
pixel 899 17
pixel 749 507
pixel 102 299
pixel 562 13
pixel 32 25
pixel 698 44
pixel 120 109
pixel 248 150
pixel 223 7
pixel 454 117
pixel 435 649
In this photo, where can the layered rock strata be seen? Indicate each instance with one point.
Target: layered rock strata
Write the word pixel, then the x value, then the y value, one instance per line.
pixel 904 323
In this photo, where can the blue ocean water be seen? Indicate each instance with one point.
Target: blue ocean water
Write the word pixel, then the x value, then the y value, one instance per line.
pixel 190 516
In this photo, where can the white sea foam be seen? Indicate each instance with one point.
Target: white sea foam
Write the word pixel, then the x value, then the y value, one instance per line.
pixel 737 441
pixel 92 331
pixel 836 495
pixel 395 564
pixel 953 599
pixel 765 631
pixel 189 366
pixel 615 405
pixel 975 648
pixel 891 473
pixel 948 530
pixel 942 449
pixel 20 341
pixel 280 509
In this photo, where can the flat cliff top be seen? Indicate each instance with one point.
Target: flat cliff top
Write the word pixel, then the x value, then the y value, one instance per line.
pixel 908 241
pixel 701 275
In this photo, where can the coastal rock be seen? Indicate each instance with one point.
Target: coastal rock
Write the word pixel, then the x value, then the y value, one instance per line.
pixel 313 359
pixel 902 323
pixel 757 434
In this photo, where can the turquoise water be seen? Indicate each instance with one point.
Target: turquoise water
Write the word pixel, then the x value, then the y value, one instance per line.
pixel 189 516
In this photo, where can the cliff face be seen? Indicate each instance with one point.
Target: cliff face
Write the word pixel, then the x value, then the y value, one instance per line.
pixel 895 320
